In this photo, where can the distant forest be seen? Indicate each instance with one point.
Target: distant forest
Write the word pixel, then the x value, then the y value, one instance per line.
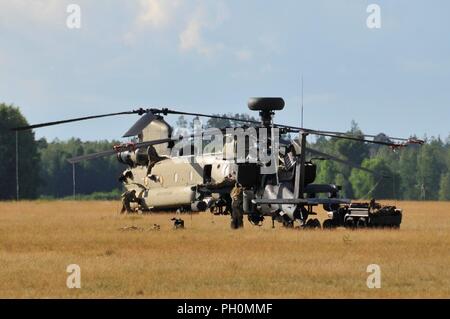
pixel 417 172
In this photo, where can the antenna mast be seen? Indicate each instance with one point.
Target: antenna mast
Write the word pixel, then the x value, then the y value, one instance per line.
pixel 17 166
pixel 302 101
pixel 73 181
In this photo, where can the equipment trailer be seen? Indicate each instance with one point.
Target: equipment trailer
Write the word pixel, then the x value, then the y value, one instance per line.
pixel 362 215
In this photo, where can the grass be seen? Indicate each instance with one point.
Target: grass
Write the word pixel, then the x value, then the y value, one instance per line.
pixel 38 240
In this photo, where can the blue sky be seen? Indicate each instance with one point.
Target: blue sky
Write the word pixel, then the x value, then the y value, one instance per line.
pixel 211 56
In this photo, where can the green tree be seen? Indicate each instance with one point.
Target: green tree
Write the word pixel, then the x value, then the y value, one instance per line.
pixel 444 189
pixel 326 172
pixel 349 150
pixel 444 185
pixel 353 151
pixel 29 162
pixel 430 166
pixel 409 185
pixel 99 175
pixel 420 171
pixel 347 188
pixel 367 185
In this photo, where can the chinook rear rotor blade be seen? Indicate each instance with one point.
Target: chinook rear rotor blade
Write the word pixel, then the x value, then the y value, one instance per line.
pixel 118 149
pixel 135 146
pixel 91 156
pixel 348 163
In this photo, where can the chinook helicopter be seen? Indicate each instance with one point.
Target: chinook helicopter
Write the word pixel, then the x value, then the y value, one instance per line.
pixel 165 172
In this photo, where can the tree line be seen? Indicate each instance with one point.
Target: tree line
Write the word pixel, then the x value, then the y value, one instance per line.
pixel 414 172
pixel 42 165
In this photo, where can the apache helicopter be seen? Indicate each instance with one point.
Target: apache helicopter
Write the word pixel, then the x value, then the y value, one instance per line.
pixel 156 179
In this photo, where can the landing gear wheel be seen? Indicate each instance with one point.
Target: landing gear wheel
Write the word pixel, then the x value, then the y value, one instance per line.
pixel 313 223
pixel 288 223
pixel 328 224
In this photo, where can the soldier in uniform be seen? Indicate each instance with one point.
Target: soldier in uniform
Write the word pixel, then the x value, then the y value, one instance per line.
pixel 130 197
pixel 237 212
pixel 127 199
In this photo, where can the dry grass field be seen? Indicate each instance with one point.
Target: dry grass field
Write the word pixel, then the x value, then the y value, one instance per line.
pixel 208 260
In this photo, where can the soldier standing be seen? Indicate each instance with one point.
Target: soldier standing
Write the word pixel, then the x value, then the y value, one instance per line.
pixel 237 212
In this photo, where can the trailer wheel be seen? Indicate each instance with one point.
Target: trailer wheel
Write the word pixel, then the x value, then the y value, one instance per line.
pixel 349 222
pixel 361 223
pixel 317 224
pixel 313 223
pixel 328 224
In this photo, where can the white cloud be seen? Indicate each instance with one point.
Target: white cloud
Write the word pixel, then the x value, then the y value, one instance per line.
pixel 156 13
pixel 187 23
pixel 205 18
pixel 191 38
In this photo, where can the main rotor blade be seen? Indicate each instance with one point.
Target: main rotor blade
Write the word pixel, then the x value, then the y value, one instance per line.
pixel 149 115
pixel 91 156
pixel 366 135
pixel 352 138
pixel 348 163
pixel 310 131
pixel 167 111
pixel 30 127
pixel 137 128
pixel 339 135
